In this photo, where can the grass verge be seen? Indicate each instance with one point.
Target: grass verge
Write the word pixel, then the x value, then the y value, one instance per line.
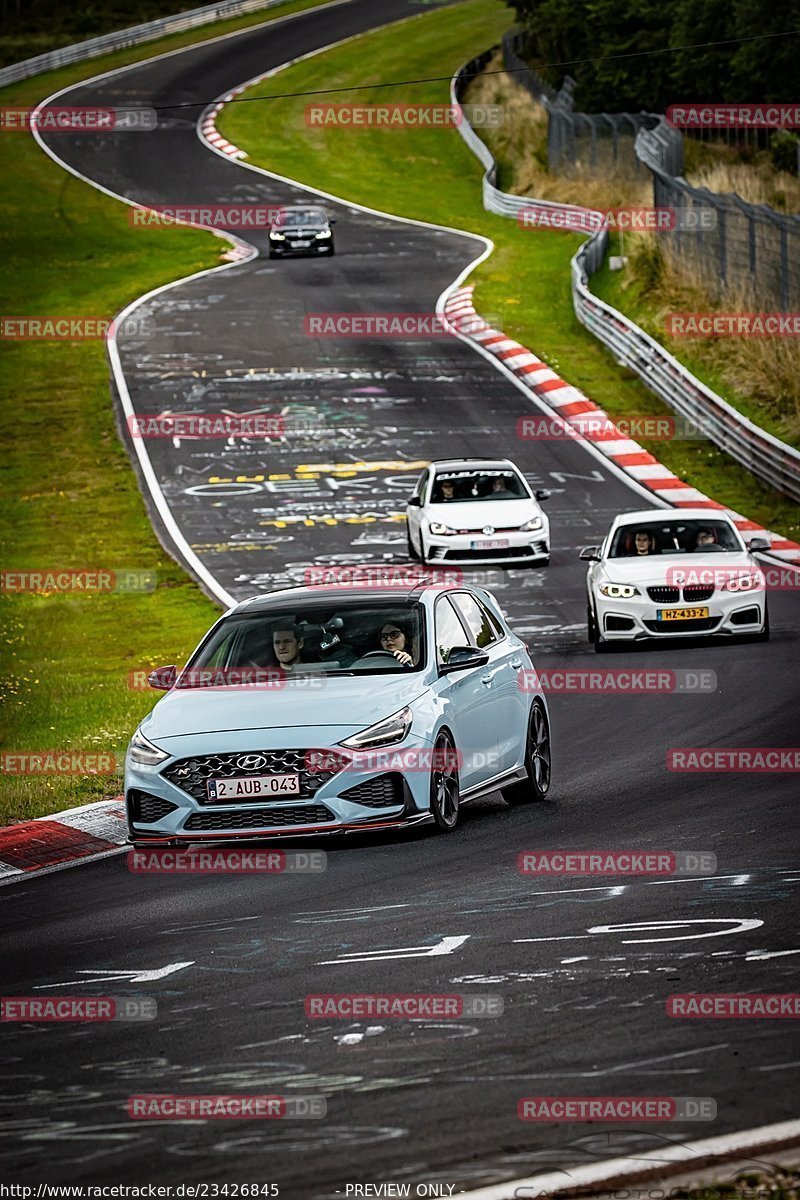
pixel 527 278
pixel 70 495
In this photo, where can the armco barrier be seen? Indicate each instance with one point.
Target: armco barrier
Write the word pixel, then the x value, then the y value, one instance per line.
pixel 766 456
pixel 133 36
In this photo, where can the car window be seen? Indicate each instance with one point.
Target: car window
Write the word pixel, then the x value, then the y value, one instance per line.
pixel 476 617
pixel 419 490
pixel 476 484
pixel 449 631
pixel 692 536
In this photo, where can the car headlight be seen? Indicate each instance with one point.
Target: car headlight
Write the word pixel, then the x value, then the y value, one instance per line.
pixel 743 583
pixel 143 751
pixel 440 530
pixel 277 237
pixel 383 733
pixel 326 233
pixel 529 526
pixel 619 591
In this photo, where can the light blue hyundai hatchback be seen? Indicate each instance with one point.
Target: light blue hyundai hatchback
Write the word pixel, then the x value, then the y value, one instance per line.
pixel 333 709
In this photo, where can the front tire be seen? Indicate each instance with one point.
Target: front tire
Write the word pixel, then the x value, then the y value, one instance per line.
pixel 445 790
pixel 412 554
pixel 537 761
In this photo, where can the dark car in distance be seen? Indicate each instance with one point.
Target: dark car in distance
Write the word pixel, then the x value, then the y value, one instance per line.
pixel 301 230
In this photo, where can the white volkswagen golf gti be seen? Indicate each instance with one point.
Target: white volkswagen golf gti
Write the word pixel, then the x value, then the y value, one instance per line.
pixel 466 510
pixel 673 574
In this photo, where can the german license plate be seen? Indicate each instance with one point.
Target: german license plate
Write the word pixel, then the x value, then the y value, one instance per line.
pixel 491 544
pixel 254 787
pixel 302 245
pixel 681 614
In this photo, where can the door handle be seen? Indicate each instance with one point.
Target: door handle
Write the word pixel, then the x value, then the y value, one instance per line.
pixel 487 680
pixel 516 663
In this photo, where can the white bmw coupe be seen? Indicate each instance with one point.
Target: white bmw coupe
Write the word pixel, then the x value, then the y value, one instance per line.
pixel 662 574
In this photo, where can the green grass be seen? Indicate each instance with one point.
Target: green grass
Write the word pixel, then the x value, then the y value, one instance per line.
pixel 432 176
pixel 71 498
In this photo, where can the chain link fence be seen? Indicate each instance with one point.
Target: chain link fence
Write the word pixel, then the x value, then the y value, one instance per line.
pixel 748 252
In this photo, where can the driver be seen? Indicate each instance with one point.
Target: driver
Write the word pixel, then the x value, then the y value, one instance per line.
pixel 395 641
pixel 705 537
pixel 287 644
pixel 644 542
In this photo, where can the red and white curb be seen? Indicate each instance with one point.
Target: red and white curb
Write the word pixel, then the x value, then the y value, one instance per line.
pixel 591 422
pixel 650 1164
pixel 209 126
pixel 48 843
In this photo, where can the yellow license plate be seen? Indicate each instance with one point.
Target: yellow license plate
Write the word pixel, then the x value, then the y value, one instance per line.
pixel 681 614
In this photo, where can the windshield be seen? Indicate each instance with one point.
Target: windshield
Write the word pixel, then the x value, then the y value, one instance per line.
pixel 312 638
pixel 306 216
pixel 489 484
pixel 674 537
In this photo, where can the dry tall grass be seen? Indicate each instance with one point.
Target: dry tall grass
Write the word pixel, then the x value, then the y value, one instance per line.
pixel 765 371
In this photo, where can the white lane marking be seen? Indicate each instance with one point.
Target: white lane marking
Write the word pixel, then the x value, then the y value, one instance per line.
pixel 736 880
pixel 446 946
pixel 686 1153
pixel 761 955
pixel 735 925
pixel 135 976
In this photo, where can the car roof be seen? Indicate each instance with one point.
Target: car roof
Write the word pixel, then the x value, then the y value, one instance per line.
pixel 681 514
pixel 272 600
pixel 477 463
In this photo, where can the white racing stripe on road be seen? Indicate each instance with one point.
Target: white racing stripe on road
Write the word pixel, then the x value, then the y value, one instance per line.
pixel 655 1163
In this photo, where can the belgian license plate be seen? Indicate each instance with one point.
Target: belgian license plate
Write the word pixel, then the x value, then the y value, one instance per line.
pixel 253 787
pixel 302 245
pixel 681 614
pixel 492 544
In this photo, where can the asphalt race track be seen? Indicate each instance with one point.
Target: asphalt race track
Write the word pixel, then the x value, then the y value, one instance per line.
pixel 584 966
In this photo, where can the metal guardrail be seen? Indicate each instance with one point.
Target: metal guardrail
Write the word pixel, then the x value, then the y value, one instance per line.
pixel 132 36
pixel 766 456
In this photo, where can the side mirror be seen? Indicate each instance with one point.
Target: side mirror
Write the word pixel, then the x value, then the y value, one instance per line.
pixel 542 493
pixel 414 502
pixel 331 220
pixel 163 678
pixel 462 658
pixel 590 553
pixel 759 543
